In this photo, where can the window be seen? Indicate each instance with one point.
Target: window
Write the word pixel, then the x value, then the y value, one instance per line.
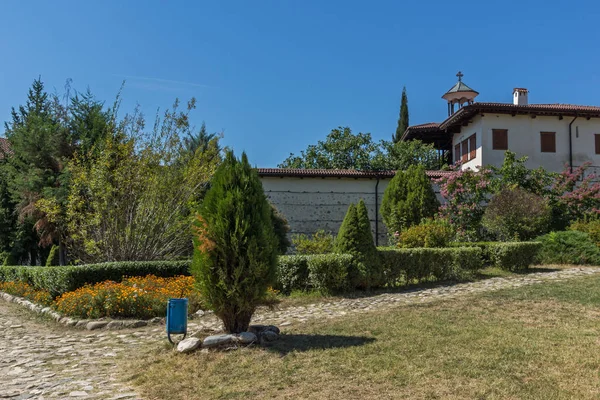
pixel 472 147
pixel 548 142
pixel 465 150
pixel 597 136
pixel 500 139
pixel 457 153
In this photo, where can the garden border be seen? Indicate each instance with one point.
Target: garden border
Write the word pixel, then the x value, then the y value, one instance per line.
pixel 89 324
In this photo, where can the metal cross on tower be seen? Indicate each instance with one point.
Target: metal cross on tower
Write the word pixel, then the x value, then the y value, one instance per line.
pixel 460 75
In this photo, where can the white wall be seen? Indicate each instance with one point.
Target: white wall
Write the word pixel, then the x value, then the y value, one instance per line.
pixel 313 203
pixel 524 139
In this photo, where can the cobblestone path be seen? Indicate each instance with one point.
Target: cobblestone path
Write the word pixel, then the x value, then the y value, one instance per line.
pixel 42 360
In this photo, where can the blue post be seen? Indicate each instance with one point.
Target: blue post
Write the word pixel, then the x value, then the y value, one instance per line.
pixel 177 311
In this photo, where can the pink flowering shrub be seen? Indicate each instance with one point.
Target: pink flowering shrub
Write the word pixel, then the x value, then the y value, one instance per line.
pixel 576 194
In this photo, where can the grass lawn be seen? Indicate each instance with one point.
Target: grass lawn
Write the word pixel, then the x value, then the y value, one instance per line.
pixel 536 342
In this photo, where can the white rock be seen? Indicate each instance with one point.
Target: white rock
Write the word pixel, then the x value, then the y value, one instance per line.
pixel 218 340
pixel 188 345
pixel 78 394
pixel 247 337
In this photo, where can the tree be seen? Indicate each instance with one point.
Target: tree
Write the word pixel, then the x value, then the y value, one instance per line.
pixel 408 199
pixel 341 150
pixel 134 199
pixel 367 250
pixel 281 228
pixel 403 118
pixel 235 247
pixel 516 214
pixel 401 155
pixel 35 168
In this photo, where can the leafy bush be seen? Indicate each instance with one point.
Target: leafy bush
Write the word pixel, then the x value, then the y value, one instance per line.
pixel 22 289
pixel 59 280
pixel 328 272
pixel 292 273
pixel 235 246
pixel 355 238
pixel 320 242
pixel 408 199
pixel 52 256
pixel 592 228
pixel 429 233
pixel 514 256
pixel 515 214
pixel 403 266
pixel 137 297
pixel 568 247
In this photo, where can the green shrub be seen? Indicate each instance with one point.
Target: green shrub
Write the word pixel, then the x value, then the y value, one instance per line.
pixel 235 246
pixel 408 199
pixel 355 238
pixel 592 228
pixel 328 272
pixel 429 233
pixel 52 256
pixel 403 266
pixel 516 214
pixel 320 242
pixel 292 273
pixel 568 247
pixel 59 280
pixel 281 228
pixel 513 256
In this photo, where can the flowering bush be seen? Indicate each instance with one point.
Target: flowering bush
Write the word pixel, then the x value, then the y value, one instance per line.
pixel 576 194
pixel 22 289
pixel 138 297
pixel 465 193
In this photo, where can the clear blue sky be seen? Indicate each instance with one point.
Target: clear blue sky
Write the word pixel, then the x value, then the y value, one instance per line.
pixel 278 75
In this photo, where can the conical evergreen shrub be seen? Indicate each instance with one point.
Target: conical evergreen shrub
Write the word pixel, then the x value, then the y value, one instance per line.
pixel 368 252
pixel 354 237
pixel 235 247
pixel 408 199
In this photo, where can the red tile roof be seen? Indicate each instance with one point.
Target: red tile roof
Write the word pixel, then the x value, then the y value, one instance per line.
pixel 335 173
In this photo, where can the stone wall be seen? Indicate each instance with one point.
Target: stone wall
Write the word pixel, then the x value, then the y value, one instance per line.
pixel 313 203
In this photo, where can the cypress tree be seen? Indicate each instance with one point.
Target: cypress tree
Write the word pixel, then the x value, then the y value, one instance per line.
pixel 235 246
pixel 402 118
pixel 367 249
pixel 408 199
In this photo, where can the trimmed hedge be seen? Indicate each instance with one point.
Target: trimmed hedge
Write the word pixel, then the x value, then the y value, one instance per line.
pixel 59 280
pixel 514 256
pixel 511 256
pixel 402 266
pixel 324 272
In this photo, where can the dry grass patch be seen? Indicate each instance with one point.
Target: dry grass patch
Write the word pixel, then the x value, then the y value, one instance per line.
pixel 536 342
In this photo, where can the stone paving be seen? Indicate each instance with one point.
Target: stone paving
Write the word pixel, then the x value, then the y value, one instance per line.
pixel 40 359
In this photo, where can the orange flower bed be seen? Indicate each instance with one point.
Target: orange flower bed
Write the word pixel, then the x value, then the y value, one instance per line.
pixel 137 297
pixel 22 289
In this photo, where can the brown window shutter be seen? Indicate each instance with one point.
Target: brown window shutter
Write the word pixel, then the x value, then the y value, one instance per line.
pixel 457 153
pixel 472 146
pixel 465 150
pixel 500 139
pixel 548 142
pixel 597 136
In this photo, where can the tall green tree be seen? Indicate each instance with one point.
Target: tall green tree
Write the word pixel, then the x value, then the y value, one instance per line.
pixel 402 118
pixel 236 248
pixel 408 199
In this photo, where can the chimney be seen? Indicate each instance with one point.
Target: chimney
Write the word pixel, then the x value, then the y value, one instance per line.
pixel 520 96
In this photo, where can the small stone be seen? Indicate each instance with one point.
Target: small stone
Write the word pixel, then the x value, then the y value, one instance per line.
pixel 188 345
pixel 247 337
pixel 78 393
pixel 199 313
pixel 81 323
pixel 218 340
pixel 114 325
pixel 15 326
pixel 96 325
pixel 134 324
pixel 156 320
pixel 287 323
pixel 46 310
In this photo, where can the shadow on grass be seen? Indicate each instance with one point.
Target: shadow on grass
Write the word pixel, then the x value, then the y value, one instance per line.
pixel 288 343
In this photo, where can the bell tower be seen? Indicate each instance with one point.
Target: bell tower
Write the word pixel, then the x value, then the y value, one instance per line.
pixel 459 94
